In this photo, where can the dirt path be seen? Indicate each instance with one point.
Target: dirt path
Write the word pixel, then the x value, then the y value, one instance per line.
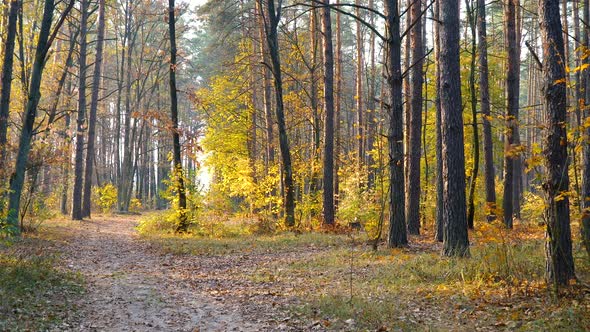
pixel 131 287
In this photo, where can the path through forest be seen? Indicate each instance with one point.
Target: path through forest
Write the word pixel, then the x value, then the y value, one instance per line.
pixel 133 287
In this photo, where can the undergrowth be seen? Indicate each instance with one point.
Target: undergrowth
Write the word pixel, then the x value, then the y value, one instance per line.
pixel 216 235
pixel 34 295
pixel 501 286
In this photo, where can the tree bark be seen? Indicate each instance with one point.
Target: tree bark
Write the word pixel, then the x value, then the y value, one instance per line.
pixel 183 221
pixel 359 92
pixel 397 219
pixel 93 109
pixel 270 153
pixel 560 263
pixel 484 90
pixel 439 215
pixel 371 104
pixel 473 179
pixel 7 64
pixel 455 240
pixel 81 121
pixel 18 177
pixel 511 149
pixel 337 106
pixel 273 46
pixel 66 167
pixel 415 118
pixel 328 204
pixel 585 81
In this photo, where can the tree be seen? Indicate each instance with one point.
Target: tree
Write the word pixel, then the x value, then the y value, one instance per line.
pixel 439 216
pixel 177 159
pixel 90 152
pixel 44 42
pixel 484 90
pixel 271 30
pixel 328 203
pixel 81 121
pixel 471 17
pixel 560 262
pixel 455 239
pixel 397 219
pixel 8 60
pixel 511 150
pixel 415 117
pixel 359 89
pixel 585 82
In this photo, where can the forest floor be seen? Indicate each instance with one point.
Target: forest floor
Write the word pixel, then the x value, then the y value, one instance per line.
pixel 133 287
pixel 289 282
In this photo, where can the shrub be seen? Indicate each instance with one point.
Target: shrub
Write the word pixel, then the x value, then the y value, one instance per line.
pixel 106 197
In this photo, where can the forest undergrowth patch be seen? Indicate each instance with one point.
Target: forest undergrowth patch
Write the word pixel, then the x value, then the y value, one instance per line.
pixel 339 283
pixel 35 295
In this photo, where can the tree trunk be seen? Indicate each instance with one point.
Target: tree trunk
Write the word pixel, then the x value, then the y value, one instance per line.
pixel 66 167
pixel 8 60
pixel 415 117
pixel 270 153
pixel 439 216
pixel 371 104
pixel 328 204
pixel 81 121
pixel 397 219
pixel 511 151
pixel 473 94
pixel 455 240
pixel 183 221
pixel 337 107
pixel 359 92
pixel 273 46
pixel 93 109
pixel 560 263
pixel 18 178
pixel 484 90
pixel 586 167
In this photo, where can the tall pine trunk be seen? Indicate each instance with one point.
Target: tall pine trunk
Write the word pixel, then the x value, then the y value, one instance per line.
pixel 439 216
pixel 455 239
pixel 93 109
pixel 81 121
pixel 511 149
pixel 473 101
pixel 359 101
pixel 273 47
pixel 7 64
pixel 484 90
pixel 34 94
pixel 585 82
pixel 415 118
pixel 328 204
pixel 397 219
pixel 183 221
pixel 560 263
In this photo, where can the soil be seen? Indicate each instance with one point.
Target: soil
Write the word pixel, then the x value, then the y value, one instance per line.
pixel 130 286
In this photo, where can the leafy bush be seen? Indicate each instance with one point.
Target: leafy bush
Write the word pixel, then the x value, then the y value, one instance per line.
pixel 135 205
pixel 106 197
pixel 357 203
pixel 159 222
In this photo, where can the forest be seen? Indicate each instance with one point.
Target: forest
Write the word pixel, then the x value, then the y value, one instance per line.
pixel 294 165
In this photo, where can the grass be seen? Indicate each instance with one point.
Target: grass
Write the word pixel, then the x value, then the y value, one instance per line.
pixel 500 286
pixel 34 294
pixel 217 236
pixel 347 286
pixel 284 241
